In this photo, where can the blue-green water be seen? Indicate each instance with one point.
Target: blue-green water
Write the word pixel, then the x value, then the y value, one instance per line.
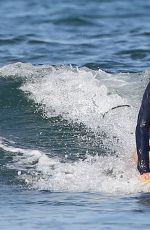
pixel 71 79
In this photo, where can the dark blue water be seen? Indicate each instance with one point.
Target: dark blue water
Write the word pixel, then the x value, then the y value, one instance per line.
pixel 111 35
pixel 72 74
pixel 42 210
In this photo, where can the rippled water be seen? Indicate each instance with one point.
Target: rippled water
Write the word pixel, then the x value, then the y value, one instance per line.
pixel 112 35
pixel 42 210
pixel 71 79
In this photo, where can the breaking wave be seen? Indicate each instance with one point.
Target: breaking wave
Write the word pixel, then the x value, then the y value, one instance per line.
pixel 105 103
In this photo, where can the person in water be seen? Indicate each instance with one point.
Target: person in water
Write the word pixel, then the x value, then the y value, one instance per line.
pixel 142 135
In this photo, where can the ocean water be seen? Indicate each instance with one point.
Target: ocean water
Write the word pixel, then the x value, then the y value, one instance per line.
pixel 72 75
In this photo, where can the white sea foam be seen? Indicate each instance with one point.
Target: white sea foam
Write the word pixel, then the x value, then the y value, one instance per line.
pixel 99 100
pixel 79 95
pixel 95 174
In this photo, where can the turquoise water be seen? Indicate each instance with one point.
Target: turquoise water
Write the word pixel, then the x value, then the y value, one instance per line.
pixel 72 75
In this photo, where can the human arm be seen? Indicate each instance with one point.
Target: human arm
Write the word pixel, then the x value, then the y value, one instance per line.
pixel 142 133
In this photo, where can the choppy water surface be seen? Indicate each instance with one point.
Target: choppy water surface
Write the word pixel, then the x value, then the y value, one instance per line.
pixel 71 79
pixel 111 35
pixel 43 210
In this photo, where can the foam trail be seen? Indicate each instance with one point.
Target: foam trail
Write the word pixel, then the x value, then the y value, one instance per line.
pixel 95 174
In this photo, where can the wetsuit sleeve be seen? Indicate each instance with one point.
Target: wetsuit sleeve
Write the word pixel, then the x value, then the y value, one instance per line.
pixel 142 133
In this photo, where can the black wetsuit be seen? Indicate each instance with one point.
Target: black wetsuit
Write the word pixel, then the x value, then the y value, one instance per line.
pixel 142 133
